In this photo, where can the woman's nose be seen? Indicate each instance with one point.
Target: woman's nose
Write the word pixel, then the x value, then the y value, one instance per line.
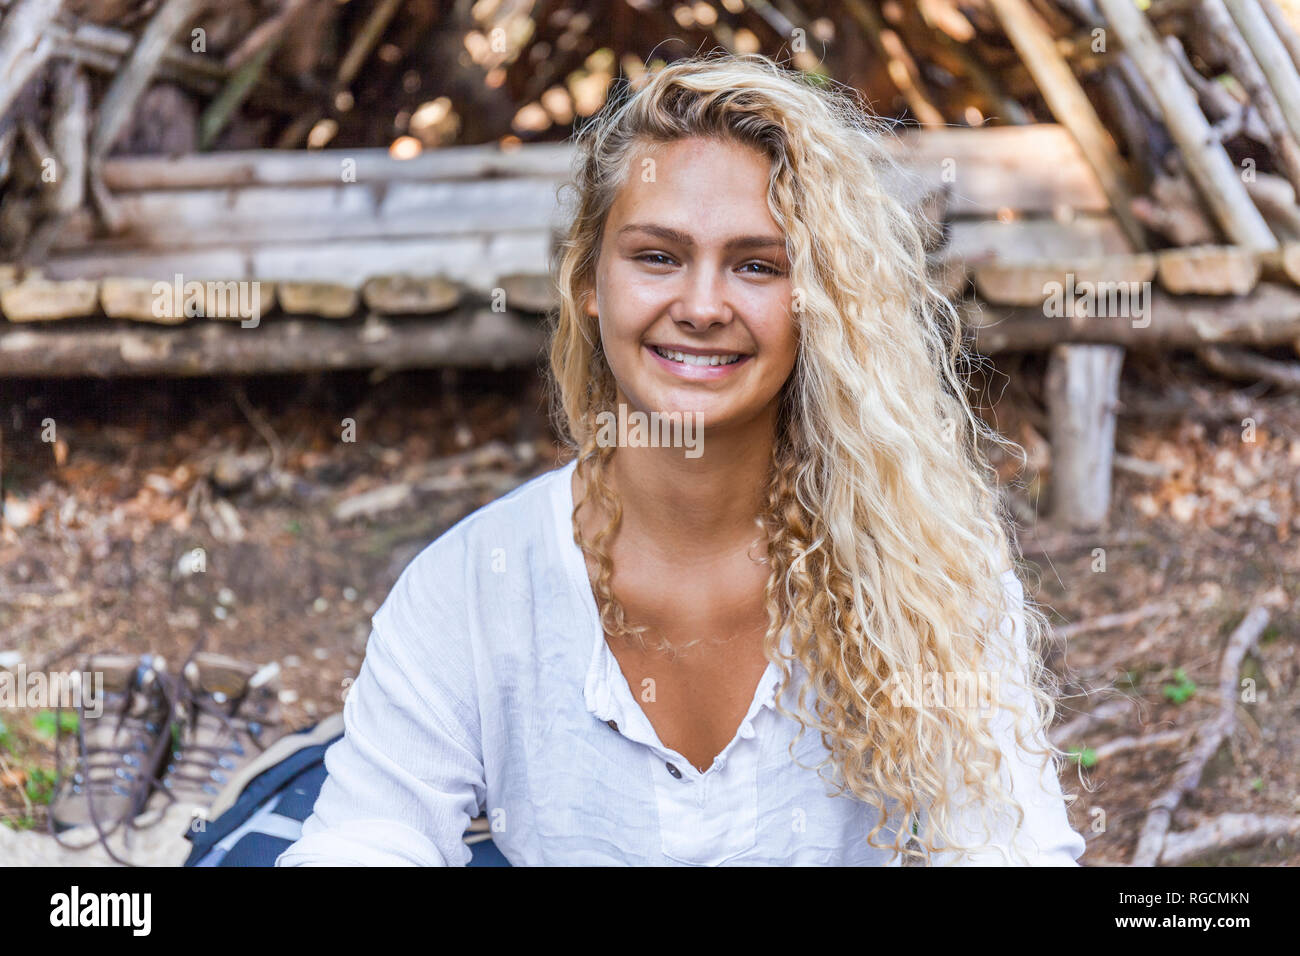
pixel 703 302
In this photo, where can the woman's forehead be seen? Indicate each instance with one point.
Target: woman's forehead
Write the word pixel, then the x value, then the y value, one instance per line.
pixel 689 185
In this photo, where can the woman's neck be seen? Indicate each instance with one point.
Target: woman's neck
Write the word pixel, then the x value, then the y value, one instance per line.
pixel 685 508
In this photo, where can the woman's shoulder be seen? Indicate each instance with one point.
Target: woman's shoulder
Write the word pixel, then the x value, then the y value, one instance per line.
pixel 443 573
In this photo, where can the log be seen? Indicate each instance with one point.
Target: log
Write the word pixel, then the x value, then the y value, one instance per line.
pixel 70 133
pixel 979 242
pixel 1248 73
pixel 471 337
pixel 39 300
pixel 1207 162
pixel 902 69
pixel 24 47
pixel 1283 265
pixel 1284 30
pixel 530 292
pixel 990 169
pixel 410 295
pixel 1249 366
pixel 1033 283
pixel 1268 316
pixel 1208 270
pixel 136 73
pixel 1274 61
pixel 1275 198
pixel 326 167
pixel 331 300
pixel 1226 831
pixel 1151 840
pixel 1082 396
pixel 477 261
pixel 184 218
pixel 1071 106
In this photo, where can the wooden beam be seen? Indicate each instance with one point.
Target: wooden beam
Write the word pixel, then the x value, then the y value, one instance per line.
pixel 1071 106
pixel 1207 161
pixel 1268 316
pixel 473 337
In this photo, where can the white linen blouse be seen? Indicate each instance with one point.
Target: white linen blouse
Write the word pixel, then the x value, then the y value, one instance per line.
pixel 488 687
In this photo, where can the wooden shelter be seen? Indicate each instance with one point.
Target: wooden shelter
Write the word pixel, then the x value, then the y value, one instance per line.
pixel 1100 178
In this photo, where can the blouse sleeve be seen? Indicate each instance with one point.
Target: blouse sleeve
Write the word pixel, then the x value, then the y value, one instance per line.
pixel 1046 837
pixel 407 776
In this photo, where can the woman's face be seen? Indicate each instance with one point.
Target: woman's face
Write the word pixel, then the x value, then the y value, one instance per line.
pixel 693 287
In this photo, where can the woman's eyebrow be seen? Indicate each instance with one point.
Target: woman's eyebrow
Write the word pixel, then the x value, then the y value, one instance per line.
pixel 685 239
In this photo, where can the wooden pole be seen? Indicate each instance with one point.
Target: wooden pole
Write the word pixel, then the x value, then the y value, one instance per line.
pixel 1071 107
pixel 902 70
pixel 137 72
pixel 1257 87
pixel 1082 392
pixel 1206 160
pixel 1273 58
pixel 24 47
pixel 1285 31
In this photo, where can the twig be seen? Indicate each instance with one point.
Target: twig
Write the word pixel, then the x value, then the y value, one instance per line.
pixel 1121 745
pixel 1121 619
pixel 1209 737
pixel 1075 728
pixel 1243 364
pixel 259 422
pixel 1224 832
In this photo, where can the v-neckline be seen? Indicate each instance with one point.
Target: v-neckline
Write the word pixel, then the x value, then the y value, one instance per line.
pixel 606 690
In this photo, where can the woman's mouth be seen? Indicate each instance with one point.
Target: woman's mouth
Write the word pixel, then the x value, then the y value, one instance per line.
pixel 699 361
pixel 697 366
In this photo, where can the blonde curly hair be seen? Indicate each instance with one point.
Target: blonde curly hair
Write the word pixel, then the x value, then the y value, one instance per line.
pixel 884 527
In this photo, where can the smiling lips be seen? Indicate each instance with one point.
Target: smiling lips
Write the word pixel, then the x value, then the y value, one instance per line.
pixel 699 359
pixel 695 363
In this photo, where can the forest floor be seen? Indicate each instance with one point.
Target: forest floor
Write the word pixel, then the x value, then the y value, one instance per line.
pixel 112 489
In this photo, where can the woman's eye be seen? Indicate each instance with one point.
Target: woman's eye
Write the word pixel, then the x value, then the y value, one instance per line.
pixel 655 259
pixel 763 267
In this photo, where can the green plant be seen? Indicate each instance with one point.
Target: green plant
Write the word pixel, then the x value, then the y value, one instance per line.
pixel 40 785
pixel 1085 756
pixel 1257 785
pixel 44 723
pixel 1181 691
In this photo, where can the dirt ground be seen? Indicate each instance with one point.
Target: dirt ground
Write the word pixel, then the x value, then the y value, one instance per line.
pixel 111 486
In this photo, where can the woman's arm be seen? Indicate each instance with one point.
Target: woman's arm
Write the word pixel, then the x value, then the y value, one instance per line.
pixel 1046 837
pixel 407 776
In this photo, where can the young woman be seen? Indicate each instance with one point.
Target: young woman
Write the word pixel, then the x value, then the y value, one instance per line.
pixel 773 646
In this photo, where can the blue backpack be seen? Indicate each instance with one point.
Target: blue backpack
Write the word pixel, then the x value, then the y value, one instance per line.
pixel 261 811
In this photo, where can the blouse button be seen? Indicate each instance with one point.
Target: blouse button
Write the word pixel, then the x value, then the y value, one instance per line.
pixel 674 771
pixel 612 724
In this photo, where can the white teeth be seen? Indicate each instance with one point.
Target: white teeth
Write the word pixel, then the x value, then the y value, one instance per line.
pixel 702 360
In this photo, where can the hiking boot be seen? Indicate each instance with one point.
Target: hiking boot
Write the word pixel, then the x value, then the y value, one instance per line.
pixel 115 758
pixel 232 714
